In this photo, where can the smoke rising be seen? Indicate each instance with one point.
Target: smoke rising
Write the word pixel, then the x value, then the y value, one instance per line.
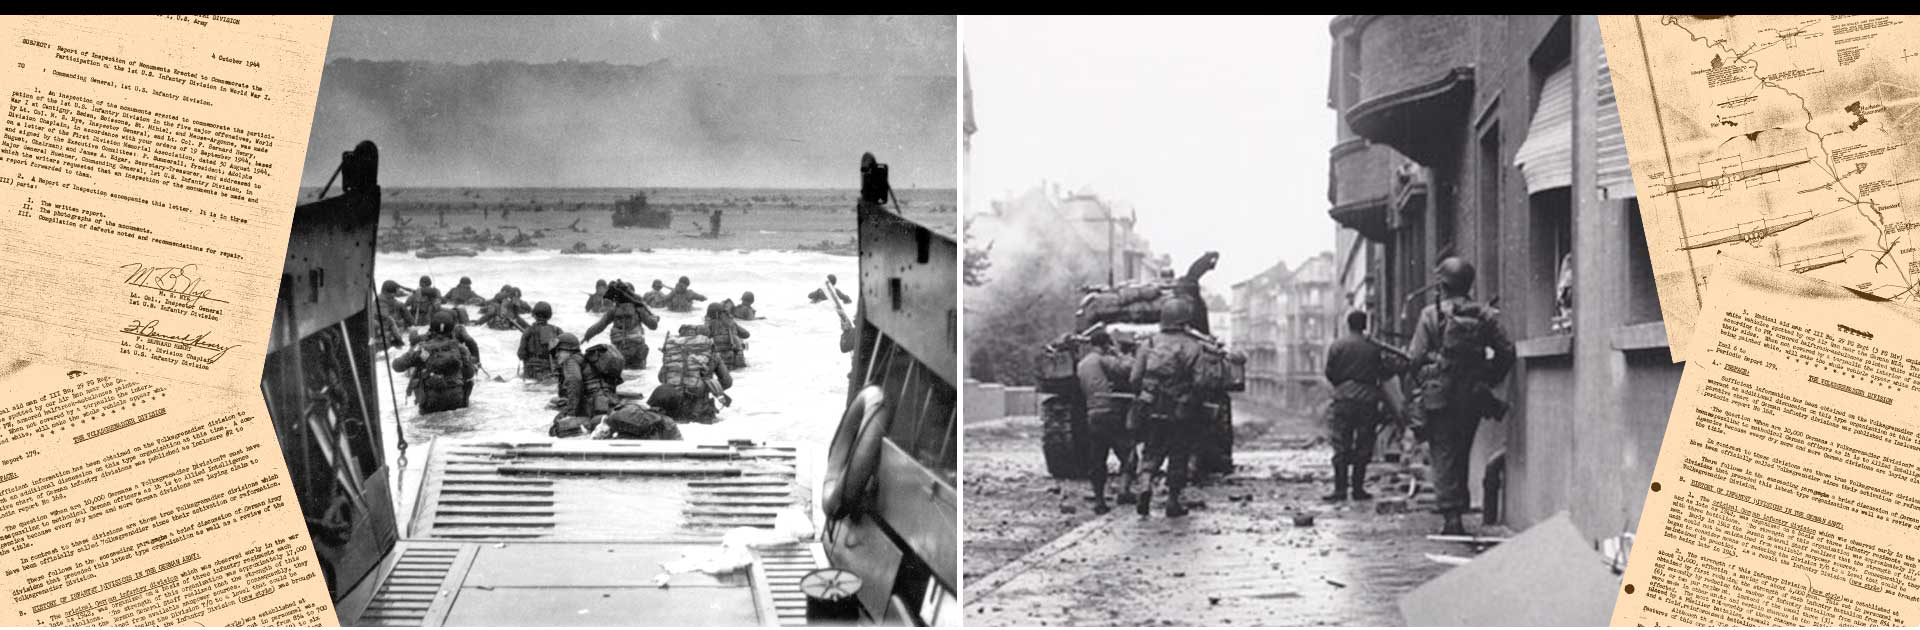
pixel 597 124
pixel 1032 288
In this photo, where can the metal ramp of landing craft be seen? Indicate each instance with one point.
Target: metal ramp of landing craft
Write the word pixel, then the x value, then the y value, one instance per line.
pixel 525 534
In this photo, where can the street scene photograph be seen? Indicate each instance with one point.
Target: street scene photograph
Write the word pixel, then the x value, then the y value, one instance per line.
pixel 1301 320
pixel 628 321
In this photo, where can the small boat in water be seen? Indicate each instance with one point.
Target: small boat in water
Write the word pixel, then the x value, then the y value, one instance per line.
pixel 443 252
pixel 634 212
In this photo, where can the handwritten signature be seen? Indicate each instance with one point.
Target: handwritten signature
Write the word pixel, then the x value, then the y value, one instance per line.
pixel 150 330
pixel 179 281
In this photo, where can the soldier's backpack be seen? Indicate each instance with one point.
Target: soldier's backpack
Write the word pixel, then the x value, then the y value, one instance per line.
pixel 1467 332
pixel 1218 370
pixel 636 422
pixel 686 360
pixel 606 362
pixel 569 426
pixel 443 357
pixel 1464 373
pixel 1166 375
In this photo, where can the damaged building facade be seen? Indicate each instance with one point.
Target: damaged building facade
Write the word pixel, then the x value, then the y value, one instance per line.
pixel 1495 138
pixel 1283 320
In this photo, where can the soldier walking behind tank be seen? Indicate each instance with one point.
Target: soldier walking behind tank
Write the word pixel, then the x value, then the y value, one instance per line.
pixel 1460 352
pixel 630 322
pixel 1168 412
pixel 535 362
pixel 683 296
pixel 1103 382
pixel 440 366
pixel 1356 369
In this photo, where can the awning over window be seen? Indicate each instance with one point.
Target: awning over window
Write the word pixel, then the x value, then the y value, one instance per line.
pixel 1545 159
pixel 1615 177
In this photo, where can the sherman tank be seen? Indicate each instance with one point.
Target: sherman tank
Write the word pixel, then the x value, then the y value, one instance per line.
pixel 1130 311
pixel 634 212
pixel 489 533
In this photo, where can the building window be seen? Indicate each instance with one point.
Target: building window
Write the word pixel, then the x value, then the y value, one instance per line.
pixel 1547 307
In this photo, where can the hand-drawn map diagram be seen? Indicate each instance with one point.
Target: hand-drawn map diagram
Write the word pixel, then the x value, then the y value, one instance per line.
pixel 1781 140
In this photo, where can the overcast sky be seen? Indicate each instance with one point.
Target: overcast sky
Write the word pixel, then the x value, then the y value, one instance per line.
pixel 854 44
pixel 1215 128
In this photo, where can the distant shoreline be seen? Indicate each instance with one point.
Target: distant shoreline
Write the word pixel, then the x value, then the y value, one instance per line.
pixel 461 221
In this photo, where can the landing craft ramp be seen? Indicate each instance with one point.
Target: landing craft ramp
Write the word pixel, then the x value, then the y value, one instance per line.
pixel 577 532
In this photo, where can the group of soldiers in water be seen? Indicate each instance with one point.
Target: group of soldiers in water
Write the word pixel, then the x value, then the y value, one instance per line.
pixel 696 361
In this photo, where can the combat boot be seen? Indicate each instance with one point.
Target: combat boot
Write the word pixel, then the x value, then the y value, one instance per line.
pixel 1453 526
pixel 1175 507
pixel 1126 488
pixel 1339 484
pixel 1359 482
pixel 1143 502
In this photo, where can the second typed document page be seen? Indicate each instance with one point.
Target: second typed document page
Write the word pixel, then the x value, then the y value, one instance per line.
pixel 1788 487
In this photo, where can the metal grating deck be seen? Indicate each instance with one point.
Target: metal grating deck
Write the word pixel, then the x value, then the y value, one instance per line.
pixel 783 567
pixel 526 491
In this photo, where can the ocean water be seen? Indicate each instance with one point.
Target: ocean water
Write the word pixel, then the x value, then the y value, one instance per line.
pixel 793 388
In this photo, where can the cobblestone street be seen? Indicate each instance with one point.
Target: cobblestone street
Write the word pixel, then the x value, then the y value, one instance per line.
pixel 1037 555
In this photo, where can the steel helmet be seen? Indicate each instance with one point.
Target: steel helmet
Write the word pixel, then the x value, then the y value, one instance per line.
pixel 657 284
pixel 566 341
pixel 746 298
pixel 441 322
pixel 465 280
pixel 1455 274
pixel 426 281
pixel 542 310
pixel 1175 312
pixel 684 281
pixel 390 287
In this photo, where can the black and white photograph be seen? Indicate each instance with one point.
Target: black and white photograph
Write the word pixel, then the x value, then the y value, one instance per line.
pixel 1301 320
pixel 628 321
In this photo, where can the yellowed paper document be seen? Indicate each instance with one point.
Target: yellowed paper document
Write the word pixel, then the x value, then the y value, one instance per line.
pixel 149 168
pixel 1788 487
pixel 123 503
pixel 1782 140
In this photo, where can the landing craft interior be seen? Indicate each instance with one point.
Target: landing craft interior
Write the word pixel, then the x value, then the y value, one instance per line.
pixel 505 532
